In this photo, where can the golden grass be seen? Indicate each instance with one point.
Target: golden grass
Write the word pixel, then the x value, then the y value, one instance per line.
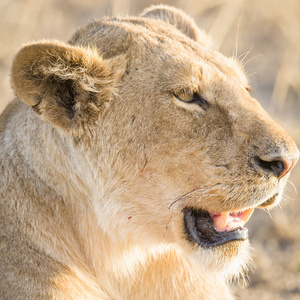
pixel 266 33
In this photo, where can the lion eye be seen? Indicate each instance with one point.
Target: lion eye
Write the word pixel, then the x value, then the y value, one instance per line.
pixel 184 96
pixel 194 98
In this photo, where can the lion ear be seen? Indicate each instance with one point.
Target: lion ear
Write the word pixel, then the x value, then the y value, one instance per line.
pixel 178 19
pixel 66 85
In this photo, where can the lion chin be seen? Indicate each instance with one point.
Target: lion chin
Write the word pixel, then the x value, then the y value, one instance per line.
pixel 219 240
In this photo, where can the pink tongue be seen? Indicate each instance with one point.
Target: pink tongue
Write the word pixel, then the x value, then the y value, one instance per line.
pixel 220 221
pixel 226 221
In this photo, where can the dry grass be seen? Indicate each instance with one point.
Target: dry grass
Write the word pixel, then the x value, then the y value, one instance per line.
pixel 266 35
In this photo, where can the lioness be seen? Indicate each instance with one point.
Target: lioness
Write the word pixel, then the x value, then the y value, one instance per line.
pixel 130 160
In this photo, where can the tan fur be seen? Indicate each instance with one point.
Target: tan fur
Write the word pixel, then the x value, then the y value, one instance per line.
pixel 99 158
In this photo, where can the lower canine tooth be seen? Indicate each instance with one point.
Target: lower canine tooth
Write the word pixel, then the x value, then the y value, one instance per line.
pixel 247 214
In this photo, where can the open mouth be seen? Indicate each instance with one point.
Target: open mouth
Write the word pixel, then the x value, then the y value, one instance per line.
pixel 216 228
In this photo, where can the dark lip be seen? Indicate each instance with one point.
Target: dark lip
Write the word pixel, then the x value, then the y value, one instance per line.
pixel 269 202
pixel 200 229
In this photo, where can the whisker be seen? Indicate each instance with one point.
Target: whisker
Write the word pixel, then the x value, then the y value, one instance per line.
pixel 194 193
pixel 252 58
pixel 196 199
pixel 279 206
pixel 243 56
pixel 269 212
pixel 286 198
pixel 251 74
pixel 295 189
pixel 237 36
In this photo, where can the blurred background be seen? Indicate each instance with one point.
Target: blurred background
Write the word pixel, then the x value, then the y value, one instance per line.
pixel 265 34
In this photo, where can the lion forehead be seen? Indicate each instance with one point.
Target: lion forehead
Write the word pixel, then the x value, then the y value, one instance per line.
pixel 157 41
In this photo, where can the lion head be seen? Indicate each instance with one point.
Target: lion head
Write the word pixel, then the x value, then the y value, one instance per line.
pixel 162 132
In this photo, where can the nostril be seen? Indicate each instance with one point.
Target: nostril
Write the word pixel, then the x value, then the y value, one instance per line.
pixel 276 167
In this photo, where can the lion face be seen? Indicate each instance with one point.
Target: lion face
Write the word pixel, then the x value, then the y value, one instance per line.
pixel 170 143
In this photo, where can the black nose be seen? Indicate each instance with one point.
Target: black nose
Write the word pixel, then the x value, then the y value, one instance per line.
pixel 277 167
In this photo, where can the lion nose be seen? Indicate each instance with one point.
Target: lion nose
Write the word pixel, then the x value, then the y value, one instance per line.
pixel 277 166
